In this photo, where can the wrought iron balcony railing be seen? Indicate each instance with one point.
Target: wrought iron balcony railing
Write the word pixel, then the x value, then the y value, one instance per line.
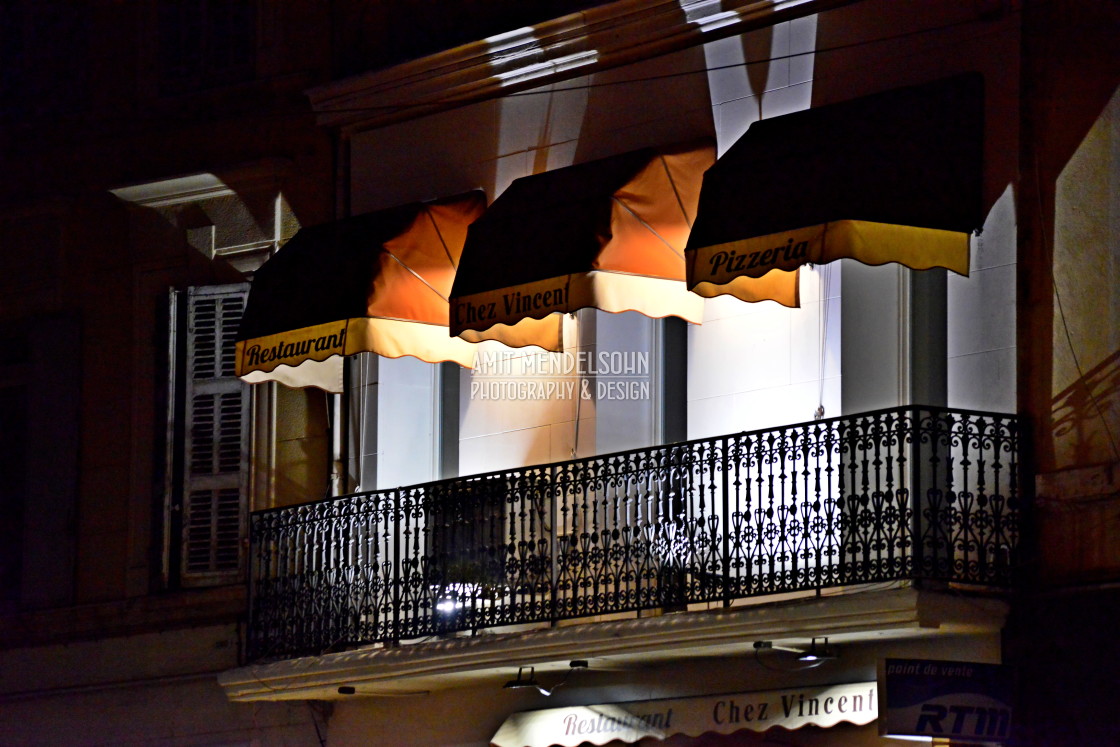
pixel 911 493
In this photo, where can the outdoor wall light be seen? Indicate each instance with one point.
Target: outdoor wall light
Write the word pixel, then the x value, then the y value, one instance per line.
pixel 531 681
pixel 817 655
pixel 523 682
pixel 814 657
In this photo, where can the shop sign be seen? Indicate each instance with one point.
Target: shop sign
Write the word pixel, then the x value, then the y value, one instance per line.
pixel 724 714
pixel 967 702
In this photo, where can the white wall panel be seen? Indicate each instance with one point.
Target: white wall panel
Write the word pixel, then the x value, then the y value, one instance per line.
pixel 760 365
pixel 874 348
pixel 981 317
pixel 499 430
pixel 628 417
pixel 406 422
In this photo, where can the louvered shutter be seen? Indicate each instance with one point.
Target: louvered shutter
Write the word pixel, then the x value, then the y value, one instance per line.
pixel 216 440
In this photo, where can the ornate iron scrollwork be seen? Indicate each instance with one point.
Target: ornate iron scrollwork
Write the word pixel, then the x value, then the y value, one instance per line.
pixel 912 493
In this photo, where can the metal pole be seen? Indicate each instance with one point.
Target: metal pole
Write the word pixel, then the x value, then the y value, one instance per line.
pixel 554 516
pixel 727 466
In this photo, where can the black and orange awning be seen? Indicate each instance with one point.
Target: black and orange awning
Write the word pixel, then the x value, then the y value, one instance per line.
pixel 607 234
pixel 375 283
pixel 892 177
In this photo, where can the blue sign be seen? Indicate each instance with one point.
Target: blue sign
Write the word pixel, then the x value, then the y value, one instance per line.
pixel 961 700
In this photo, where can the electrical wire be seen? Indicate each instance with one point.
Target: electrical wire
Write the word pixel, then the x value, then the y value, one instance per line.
pixel 824 282
pixel 1048 250
pixel 315 723
pixel 559 684
pixel 398 106
pixel 435 104
pixel 579 389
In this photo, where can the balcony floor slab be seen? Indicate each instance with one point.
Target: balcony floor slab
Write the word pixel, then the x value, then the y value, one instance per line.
pixel 850 615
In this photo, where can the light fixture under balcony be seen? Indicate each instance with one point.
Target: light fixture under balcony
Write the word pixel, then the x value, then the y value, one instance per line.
pixel 521 681
pixel 817 655
pixel 806 659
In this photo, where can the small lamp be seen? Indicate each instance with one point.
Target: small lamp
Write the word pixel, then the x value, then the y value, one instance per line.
pixel 531 681
pixel 815 655
pixel 521 682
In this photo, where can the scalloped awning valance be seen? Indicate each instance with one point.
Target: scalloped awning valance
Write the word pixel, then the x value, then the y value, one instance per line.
pixel 854 703
pixel 606 234
pixel 891 177
pixel 375 283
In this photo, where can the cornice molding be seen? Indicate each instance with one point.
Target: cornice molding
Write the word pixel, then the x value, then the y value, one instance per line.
pixel 455 661
pixel 578 44
pixel 190 188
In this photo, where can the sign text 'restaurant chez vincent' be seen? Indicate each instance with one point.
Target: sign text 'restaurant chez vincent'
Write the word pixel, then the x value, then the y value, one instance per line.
pixel 758 711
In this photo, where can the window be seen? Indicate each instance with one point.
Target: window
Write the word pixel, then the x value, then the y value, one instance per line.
pixel 209 439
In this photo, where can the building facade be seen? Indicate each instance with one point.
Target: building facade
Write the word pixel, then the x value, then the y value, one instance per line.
pixel 149 148
pixel 647 528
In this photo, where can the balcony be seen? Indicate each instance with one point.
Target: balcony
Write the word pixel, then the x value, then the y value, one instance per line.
pixel 919 494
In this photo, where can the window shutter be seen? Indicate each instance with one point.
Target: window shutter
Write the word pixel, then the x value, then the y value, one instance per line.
pixel 215 464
